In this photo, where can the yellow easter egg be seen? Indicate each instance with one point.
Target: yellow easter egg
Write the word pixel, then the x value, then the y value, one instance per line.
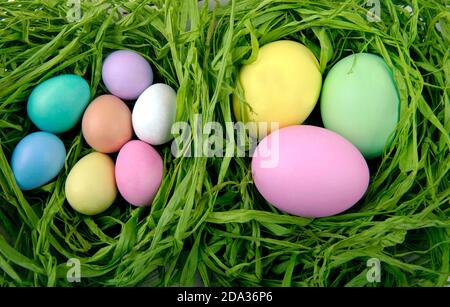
pixel 281 86
pixel 91 184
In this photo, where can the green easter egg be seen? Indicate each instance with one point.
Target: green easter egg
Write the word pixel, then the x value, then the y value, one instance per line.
pixel 56 105
pixel 360 101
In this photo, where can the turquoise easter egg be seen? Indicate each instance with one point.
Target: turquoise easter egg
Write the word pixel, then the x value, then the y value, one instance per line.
pixel 360 101
pixel 37 159
pixel 57 104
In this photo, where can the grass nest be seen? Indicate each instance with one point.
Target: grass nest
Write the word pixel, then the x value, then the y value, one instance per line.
pixel 207 223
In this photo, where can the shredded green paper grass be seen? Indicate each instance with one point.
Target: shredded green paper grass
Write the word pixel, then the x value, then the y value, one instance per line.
pixel 208 222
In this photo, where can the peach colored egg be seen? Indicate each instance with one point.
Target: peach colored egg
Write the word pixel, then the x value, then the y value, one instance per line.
pixel 107 124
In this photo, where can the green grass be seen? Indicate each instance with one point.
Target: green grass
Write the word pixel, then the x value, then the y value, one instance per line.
pixel 208 217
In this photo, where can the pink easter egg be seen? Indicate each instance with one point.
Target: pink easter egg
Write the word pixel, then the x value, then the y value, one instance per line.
pixel 139 171
pixel 309 171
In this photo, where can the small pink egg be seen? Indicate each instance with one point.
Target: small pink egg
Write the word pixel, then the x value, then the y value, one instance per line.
pixel 139 171
pixel 309 171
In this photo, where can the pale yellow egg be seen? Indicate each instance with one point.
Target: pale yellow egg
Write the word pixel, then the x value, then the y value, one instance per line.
pixel 282 86
pixel 91 185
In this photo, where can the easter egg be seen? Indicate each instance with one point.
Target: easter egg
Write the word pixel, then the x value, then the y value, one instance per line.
pixel 57 104
pixel 309 171
pixel 37 159
pixel 282 86
pixel 126 74
pixel 360 101
pixel 106 124
pixel 91 186
pixel 154 114
pixel 139 170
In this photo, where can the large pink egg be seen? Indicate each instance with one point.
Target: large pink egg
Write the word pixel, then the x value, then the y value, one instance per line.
pixel 139 171
pixel 309 171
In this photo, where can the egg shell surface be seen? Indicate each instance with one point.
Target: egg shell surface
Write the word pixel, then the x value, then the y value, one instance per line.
pixel 309 171
pixel 57 104
pixel 126 74
pixel 360 101
pixel 106 124
pixel 281 86
pixel 154 114
pixel 90 186
pixel 37 159
pixel 139 171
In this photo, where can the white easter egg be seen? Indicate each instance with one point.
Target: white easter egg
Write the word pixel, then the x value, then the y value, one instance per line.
pixel 154 114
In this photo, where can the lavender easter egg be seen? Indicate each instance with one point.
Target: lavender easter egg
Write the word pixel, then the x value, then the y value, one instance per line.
pixel 126 74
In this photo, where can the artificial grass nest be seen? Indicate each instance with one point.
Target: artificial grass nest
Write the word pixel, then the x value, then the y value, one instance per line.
pixel 208 219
